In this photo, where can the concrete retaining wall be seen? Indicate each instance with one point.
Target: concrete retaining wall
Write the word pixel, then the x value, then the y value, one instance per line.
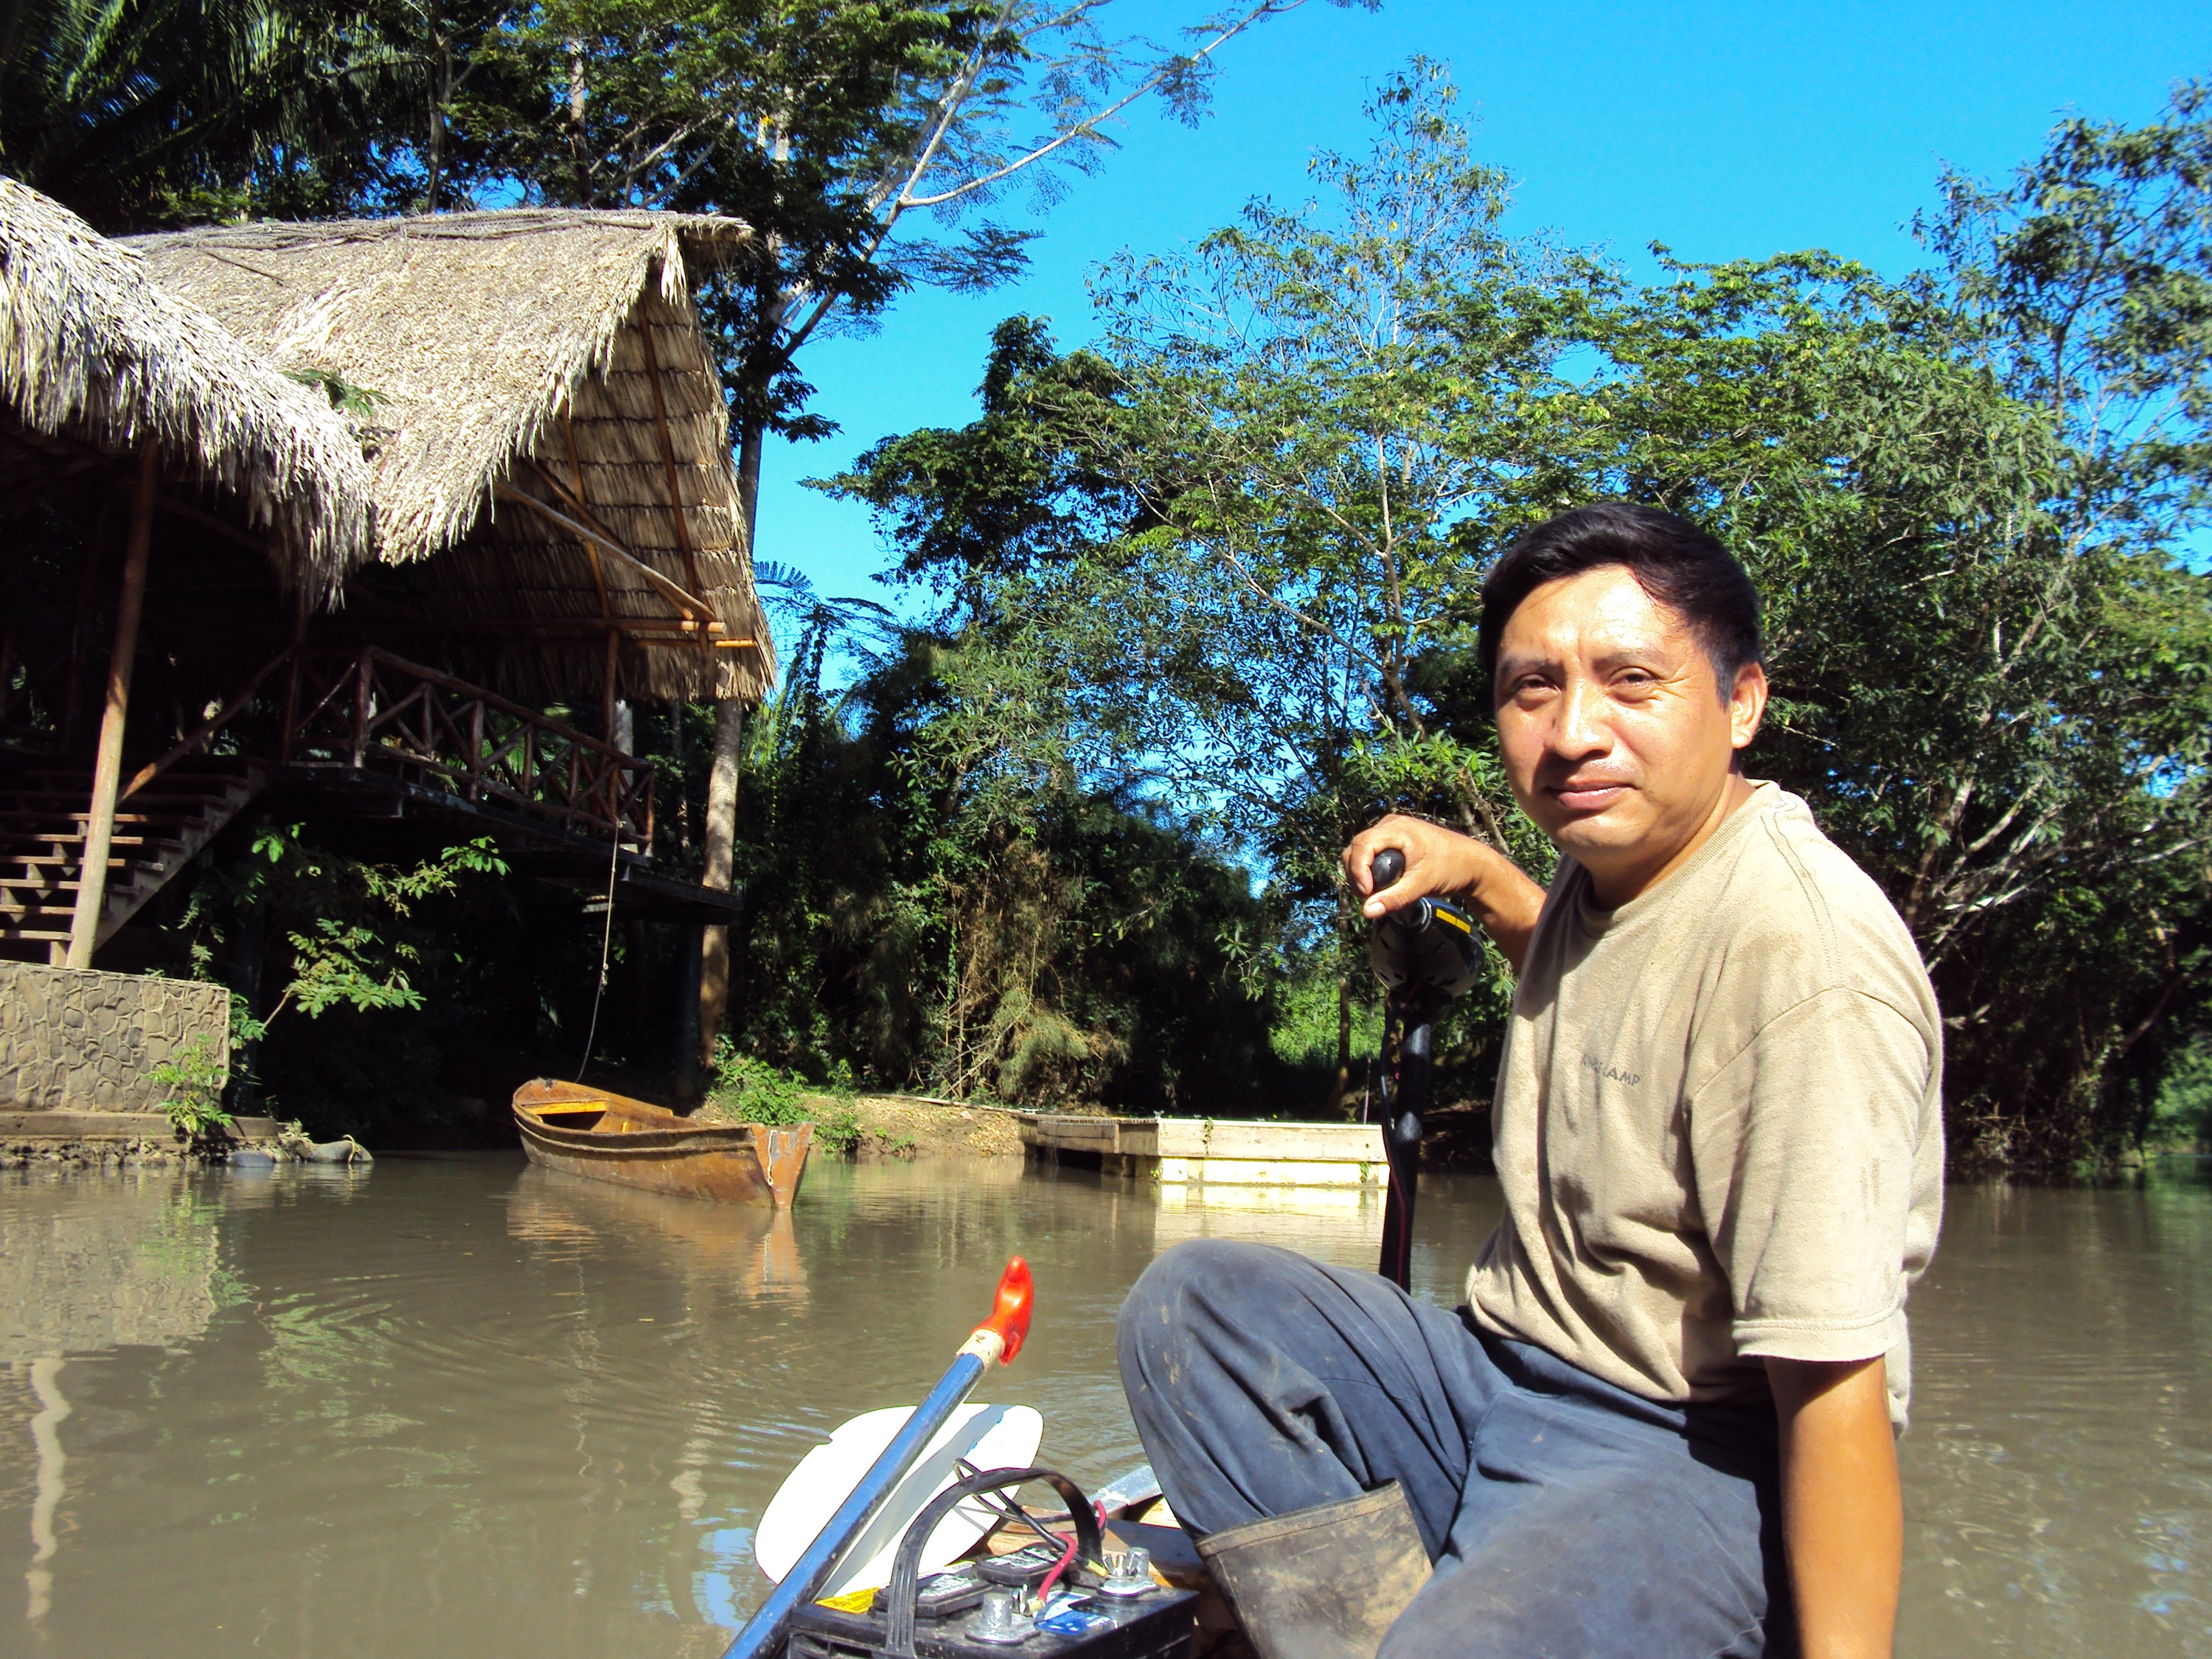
pixel 1211 1151
pixel 78 1042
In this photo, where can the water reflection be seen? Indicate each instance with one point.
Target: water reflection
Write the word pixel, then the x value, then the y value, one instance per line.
pixel 749 1249
pixel 471 1408
pixel 1339 1225
pixel 45 1436
pixel 139 1268
pixel 2059 1469
pixel 137 1265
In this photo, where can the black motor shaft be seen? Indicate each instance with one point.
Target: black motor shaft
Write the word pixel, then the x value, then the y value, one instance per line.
pixel 1425 955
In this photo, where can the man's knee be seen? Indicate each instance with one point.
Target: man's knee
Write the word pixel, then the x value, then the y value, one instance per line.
pixel 1205 1280
pixel 1203 1286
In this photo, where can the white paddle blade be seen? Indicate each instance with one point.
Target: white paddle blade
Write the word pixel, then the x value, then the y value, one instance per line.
pixel 985 1437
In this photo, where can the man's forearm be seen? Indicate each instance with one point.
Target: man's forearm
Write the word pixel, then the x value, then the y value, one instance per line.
pixel 1507 903
pixel 1445 864
pixel 1843 1520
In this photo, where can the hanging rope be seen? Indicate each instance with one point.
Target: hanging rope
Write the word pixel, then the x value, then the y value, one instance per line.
pixel 606 943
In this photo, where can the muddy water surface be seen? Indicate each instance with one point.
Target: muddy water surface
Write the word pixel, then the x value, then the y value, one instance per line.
pixel 458 1406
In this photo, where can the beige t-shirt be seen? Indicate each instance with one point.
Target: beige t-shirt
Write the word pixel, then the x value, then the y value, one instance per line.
pixel 1719 1121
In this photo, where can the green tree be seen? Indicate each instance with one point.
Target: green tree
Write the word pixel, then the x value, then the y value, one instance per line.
pixel 2002 719
pixel 936 894
pixel 1259 513
pixel 1310 412
pixel 1245 511
pixel 369 955
pixel 145 113
pixel 1967 498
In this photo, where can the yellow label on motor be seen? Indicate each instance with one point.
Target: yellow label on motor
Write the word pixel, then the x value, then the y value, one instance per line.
pixel 858 1601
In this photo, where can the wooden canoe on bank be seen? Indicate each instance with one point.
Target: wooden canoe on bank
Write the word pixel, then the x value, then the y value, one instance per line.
pixel 610 1137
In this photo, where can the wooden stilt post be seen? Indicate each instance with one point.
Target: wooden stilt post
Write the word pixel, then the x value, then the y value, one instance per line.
pixel 107 770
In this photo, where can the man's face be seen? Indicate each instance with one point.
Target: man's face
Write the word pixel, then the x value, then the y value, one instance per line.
pixel 1616 736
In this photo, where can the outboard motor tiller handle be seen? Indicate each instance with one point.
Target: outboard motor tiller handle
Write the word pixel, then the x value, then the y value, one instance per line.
pixel 1426 955
pixel 1386 869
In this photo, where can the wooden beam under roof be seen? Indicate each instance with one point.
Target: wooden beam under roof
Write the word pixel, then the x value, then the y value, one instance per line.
pixel 688 602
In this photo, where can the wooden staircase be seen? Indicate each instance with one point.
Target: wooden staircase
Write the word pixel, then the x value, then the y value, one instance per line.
pixel 44 815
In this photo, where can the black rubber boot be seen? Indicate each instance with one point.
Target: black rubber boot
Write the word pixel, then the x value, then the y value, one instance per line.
pixel 1324 1582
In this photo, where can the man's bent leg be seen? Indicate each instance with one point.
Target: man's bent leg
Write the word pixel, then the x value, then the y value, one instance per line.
pixel 1263 1383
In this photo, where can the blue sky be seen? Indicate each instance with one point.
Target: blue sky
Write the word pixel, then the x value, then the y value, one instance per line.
pixel 1723 130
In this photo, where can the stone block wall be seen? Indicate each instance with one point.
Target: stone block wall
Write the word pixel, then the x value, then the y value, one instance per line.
pixel 74 1041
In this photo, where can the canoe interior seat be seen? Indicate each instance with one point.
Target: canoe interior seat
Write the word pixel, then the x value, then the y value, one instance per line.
pixel 573 1117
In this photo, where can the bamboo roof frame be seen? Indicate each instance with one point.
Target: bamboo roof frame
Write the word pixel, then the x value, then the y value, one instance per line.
pixel 97 359
pixel 547 435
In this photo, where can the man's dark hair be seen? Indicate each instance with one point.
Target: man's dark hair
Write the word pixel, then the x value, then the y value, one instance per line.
pixel 1679 565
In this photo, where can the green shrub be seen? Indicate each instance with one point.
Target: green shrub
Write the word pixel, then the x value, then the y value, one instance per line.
pixel 753 1091
pixel 838 1130
pixel 756 1091
pixel 2182 1117
pixel 192 1084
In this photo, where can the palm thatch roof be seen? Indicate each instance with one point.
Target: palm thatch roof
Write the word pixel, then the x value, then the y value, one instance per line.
pixel 93 352
pixel 548 429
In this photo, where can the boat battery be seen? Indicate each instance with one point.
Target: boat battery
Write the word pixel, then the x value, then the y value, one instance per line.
pixel 1022 1569
pixel 986 1609
pixel 971 1621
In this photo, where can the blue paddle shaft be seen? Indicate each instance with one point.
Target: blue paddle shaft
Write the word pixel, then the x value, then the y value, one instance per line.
pixel 763 1633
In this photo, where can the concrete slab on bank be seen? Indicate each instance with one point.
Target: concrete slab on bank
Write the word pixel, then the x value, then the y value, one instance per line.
pixel 1200 1152
pixel 114 1126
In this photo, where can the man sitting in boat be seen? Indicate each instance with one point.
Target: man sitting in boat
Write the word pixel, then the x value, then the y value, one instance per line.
pixel 1663 1423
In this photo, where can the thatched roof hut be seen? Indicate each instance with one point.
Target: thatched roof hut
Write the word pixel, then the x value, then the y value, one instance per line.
pixel 96 356
pixel 549 439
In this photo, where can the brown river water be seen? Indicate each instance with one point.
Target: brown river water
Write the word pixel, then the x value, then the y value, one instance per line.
pixel 459 1406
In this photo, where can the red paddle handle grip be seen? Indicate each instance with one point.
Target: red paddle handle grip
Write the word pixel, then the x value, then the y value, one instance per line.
pixel 1009 1318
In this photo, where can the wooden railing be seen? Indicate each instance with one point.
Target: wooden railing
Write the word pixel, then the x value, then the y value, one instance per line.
pixel 369 710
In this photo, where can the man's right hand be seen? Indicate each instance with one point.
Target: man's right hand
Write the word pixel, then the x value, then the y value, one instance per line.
pixel 1442 863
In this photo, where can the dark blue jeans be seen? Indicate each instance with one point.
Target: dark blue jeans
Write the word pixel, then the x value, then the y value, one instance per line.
pixel 1567 1518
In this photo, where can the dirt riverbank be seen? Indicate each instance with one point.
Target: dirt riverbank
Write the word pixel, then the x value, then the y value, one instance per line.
pixel 903 1127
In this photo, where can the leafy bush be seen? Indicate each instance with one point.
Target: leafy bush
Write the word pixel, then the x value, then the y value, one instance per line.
pixel 753 1091
pixel 193 1083
pixel 756 1092
pixel 2183 1115
pixel 838 1130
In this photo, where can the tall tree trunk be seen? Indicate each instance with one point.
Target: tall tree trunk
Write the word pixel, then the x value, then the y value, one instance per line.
pixel 721 826
pixel 721 835
pixel 1341 1092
